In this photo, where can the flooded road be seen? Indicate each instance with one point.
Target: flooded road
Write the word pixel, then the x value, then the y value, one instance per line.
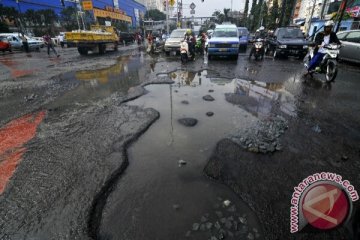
pixel 214 154
pixel 156 197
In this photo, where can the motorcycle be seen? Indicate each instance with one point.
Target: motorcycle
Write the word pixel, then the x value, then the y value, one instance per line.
pixel 185 52
pixel 200 45
pixel 155 46
pixel 328 65
pixel 257 49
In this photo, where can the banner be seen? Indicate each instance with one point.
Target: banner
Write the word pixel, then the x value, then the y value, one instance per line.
pixel 112 15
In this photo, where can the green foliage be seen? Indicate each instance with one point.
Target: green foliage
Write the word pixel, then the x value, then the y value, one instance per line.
pixel 9 13
pixel 123 27
pixel 4 28
pixel 288 10
pixel 155 15
pixel 68 18
pixel 246 10
pixel 274 14
pixel 219 17
pixel 226 14
pixel 265 14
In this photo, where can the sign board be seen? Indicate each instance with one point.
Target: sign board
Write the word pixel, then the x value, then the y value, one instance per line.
pixel 112 15
pixel 192 6
pixel 87 5
pixel 107 23
pixel 192 11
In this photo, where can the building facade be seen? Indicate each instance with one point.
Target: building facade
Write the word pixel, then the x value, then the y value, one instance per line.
pixel 310 8
pixel 154 4
pixel 129 11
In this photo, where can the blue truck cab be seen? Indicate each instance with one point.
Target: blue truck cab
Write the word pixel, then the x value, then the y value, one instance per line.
pixel 224 41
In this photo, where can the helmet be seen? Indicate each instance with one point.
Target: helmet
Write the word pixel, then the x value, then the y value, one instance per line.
pixel 188 32
pixel 329 23
pixel 261 28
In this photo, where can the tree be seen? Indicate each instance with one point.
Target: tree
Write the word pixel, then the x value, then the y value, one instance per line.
pixel 265 15
pixel 288 10
pixel 226 14
pixel 8 13
pixel 68 18
pixel 155 15
pixel 47 16
pixel 274 14
pixel 219 16
pixel 4 28
pixel 246 10
pixel 253 11
pixel 32 17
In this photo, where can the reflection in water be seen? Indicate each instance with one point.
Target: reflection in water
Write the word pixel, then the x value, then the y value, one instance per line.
pixel 100 84
pixel 103 75
pixel 267 96
pixel 185 78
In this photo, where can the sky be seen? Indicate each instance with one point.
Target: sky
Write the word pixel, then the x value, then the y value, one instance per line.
pixel 206 8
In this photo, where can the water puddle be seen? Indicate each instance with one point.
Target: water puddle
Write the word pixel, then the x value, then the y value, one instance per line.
pixel 99 84
pixel 260 98
pixel 161 197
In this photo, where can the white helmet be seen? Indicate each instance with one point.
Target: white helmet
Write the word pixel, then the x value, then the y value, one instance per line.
pixel 329 23
pixel 261 28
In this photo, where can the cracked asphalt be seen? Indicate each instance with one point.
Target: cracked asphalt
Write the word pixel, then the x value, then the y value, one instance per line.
pixel 90 146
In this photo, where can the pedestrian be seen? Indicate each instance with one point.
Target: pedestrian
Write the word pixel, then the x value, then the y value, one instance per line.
pixel 50 44
pixel 61 40
pixel 24 42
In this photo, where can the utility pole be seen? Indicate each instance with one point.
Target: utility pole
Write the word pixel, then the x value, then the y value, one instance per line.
pixel 342 9
pixel 20 18
pixel 167 16
pixel 311 16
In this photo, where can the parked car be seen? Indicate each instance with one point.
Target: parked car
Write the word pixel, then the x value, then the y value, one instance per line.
pixel 287 41
pixel 126 37
pixel 16 42
pixel 350 42
pixel 224 41
pixel 244 37
pixel 173 42
pixel 41 40
pixel 4 44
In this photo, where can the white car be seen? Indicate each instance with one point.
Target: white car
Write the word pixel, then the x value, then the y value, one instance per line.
pixel 16 42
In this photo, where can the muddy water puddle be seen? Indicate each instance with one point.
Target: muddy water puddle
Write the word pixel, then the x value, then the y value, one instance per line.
pixel 94 85
pixel 158 197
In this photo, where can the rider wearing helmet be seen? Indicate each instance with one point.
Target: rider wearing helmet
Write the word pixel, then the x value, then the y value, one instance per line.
pixel 323 38
pixel 260 33
pixel 190 39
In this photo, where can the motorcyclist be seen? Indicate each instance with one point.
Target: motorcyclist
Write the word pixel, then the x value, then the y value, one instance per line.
pixel 191 41
pixel 322 38
pixel 260 33
pixel 203 41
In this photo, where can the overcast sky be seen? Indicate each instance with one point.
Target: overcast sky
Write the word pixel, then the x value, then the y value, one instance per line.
pixel 206 8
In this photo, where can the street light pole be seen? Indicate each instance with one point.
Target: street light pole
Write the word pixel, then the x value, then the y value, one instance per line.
pixel 167 16
pixel 311 15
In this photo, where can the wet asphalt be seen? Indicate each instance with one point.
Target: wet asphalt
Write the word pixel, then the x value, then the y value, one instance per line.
pixel 110 160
